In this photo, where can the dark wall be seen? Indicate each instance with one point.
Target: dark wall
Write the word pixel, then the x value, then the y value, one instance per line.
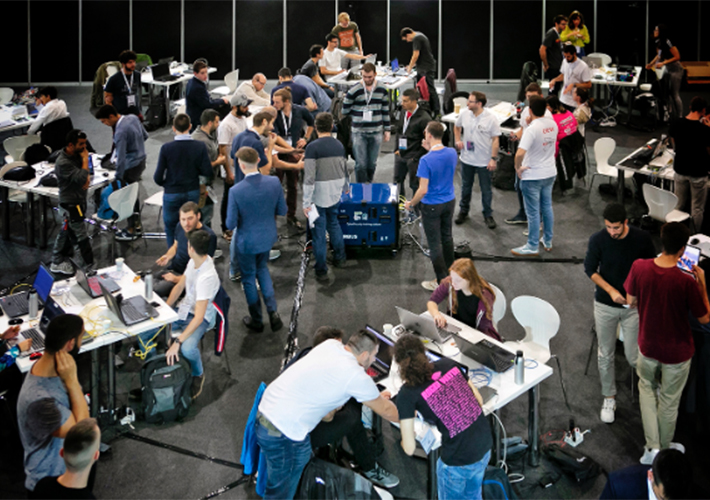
pixel 105 25
pixel 145 41
pixel 309 21
pixel 46 45
pixel 17 11
pixel 704 36
pixel 682 21
pixel 625 17
pixel 420 15
pixel 517 36
pixel 259 46
pixel 208 34
pixel 371 19
pixel 466 32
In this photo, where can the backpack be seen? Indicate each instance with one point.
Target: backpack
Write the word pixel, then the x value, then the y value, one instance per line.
pixel 36 153
pixel 496 485
pixel 504 175
pixel 155 115
pixel 572 462
pixel 166 390
pixel 105 211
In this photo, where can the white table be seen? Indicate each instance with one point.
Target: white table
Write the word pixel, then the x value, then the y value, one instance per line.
pixel 660 167
pixel 701 241
pixel 503 111
pixel 6 115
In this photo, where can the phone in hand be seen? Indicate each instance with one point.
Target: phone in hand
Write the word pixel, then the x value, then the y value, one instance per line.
pixel 690 258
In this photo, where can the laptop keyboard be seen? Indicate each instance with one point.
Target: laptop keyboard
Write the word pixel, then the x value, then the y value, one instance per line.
pixel 502 362
pixel 37 338
pixel 130 312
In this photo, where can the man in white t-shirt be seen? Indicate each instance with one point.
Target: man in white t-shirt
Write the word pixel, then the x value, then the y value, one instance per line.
pixel 311 390
pixel 52 109
pixel 535 166
pixel 333 58
pixel 479 154
pixel 574 73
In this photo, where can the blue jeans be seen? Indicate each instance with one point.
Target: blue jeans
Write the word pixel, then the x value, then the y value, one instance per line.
pixel 171 211
pixel 328 221
pixel 521 212
pixel 461 481
pixel 538 202
pixel 285 461
pixel 468 176
pixel 366 148
pixel 253 267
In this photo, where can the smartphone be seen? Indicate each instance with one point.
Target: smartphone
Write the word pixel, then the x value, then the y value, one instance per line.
pixel 91 164
pixel 690 258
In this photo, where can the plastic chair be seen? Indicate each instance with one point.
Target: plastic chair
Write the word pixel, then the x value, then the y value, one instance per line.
pixel 499 306
pixel 6 95
pixel 540 321
pixel 603 149
pixel 121 202
pixel 16 145
pixel 606 59
pixel 462 102
pixel 661 205
pixel 230 84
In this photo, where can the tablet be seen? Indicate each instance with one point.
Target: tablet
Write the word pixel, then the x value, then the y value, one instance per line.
pixel 690 258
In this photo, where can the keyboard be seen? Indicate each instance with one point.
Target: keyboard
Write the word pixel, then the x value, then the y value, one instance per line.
pixel 37 338
pixel 501 358
pixel 130 312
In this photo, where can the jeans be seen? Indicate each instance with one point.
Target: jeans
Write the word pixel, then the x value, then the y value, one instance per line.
pixel 692 191
pixel 328 221
pixel 606 320
pixel 366 148
pixel 672 80
pixel 538 202
pixel 402 167
pixel 437 220
pixel 171 211
pixel 130 176
pixel 468 176
pixel 461 481
pixel 253 267
pixel 659 412
pixel 285 461
pixel 206 213
pixel 73 231
pixel 521 212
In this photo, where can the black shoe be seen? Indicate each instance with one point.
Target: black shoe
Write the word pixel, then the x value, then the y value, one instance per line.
pixel 235 277
pixel 253 325
pixel 460 218
pixel 339 263
pixel 275 320
pixel 517 219
pixel 490 222
pixel 124 235
pixel 135 394
pixel 295 222
pixel 322 276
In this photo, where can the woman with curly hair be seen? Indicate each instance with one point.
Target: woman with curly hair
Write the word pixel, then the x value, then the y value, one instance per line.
pixel 576 33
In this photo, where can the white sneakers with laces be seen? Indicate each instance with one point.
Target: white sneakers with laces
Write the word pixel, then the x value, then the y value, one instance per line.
pixel 608 409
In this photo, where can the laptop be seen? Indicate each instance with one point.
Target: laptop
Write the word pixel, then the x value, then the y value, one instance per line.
pixel 129 311
pixel 91 284
pixel 396 69
pixel 380 369
pixel 593 62
pixel 51 310
pixel 487 353
pixel 372 59
pixel 166 60
pixel 18 304
pixel 425 325
pixel 161 73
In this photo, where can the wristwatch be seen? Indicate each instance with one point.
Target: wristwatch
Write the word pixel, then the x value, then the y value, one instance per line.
pixel 494 158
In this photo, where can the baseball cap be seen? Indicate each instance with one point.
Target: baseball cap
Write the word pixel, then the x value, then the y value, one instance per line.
pixel 240 99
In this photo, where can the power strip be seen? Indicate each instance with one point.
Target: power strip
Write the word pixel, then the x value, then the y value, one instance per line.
pixel 575 439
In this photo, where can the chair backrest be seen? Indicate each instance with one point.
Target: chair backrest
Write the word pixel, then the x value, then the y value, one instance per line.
pixel 231 79
pixel 499 306
pixel 110 71
pixel 462 102
pixel 539 319
pixel 660 202
pixel 16 145
pixel 6 95
pixel 606 59
pixel 54 133
pixel 123 201
pixel 603 149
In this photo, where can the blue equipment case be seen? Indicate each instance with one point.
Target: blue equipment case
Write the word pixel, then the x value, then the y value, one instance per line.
pixel 369 216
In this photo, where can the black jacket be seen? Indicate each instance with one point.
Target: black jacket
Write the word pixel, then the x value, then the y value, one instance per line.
pixel 571 160
pixel 71 179
pixel 414 134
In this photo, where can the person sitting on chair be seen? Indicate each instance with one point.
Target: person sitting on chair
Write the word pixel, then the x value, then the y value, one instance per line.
pixel 53 109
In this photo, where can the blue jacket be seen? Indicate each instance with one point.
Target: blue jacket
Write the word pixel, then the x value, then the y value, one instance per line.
pixel 252 458
pixel 129 138
pixel 197 99
pixel 253 204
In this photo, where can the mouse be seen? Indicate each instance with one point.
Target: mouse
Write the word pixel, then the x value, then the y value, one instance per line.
pixel 694 241
pixel 15 321
pixel 155 304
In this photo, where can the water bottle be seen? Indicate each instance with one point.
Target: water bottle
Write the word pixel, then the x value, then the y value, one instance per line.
pixel 519 368
pixel 33 302
pixel 148 278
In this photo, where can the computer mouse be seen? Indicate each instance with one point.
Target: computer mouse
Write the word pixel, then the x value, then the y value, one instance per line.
pixel 694 241
pixel 15 321
pixel 155 304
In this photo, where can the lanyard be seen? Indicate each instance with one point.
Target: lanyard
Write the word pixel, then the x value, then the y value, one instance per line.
pixel 368 98
pixel 287 124
pixel 406 121
pixel 130 87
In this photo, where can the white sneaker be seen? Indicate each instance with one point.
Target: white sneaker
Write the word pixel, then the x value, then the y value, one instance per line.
pixel 62 268
pixel 608 409
pixel 677 446
pixel 430 285
pixel 648 455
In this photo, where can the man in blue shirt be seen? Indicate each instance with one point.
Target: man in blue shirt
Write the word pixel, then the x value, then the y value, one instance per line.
pixel 299 93
pixel 253 204
pixel 197 97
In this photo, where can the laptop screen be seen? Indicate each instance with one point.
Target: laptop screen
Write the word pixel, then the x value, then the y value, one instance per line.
pixel 51 310
pixel 43 282
pixel 385 354
pixel 160 70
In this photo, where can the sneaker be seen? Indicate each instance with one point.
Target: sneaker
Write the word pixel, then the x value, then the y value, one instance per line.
pixel 322 277
pixel 608 409
pixel 380 477
pixel 460 218
pixel 430 285
pixel 252 325
pixel 546 246
pixel 490 222
pixel 677 446
pixel 62 268
pixel 197 385
pixel 275 320
pixel 235 277
pixel 217 254
pixel 518 219
pixel 339 263
pixel 648 455
pixel 525 250
pixel 274 254
pixel 295 222
pixel 227 235
pixel 124 235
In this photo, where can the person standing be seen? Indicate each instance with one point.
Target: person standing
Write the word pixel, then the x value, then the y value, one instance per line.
pixel 349 38
pixel 53 109
pixel 667 62
pixel 368 105
pixel 576 33
pixel 535 166
pixel 436 194
pixel 207 134
pixel 665 297
pixel 197 97
pixel 123 90
pixel 423 58
pixel 410 133
pixel 479 154
pixel 551 49
pixel 574 74
pixel 325 181
pixel 610 254
pixel 690 137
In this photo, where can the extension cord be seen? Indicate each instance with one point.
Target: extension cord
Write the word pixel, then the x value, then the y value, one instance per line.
pixel 578 437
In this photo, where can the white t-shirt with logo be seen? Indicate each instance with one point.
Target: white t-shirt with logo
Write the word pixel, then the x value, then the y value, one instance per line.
pixel 332 61
pixel 526 112
pixel 539 141
pixel 478 134
pixel 576 72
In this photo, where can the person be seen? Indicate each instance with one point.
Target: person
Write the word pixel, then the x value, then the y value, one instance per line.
pixel 368 104
pixel 469 297
pixel 317 94
pixel 665 297
pixel 610 254
pixel 582 111
pixel 423 58
pixel 177 255
pixel 333 57
pixel 206 133
pixel 576 33
pixel 196 311
pixel 479 154
pixel 563 117
pixel 299 93
pixel 80 452
pixel 8 355
pixel 254 90
pixel 197 97
pixel 410 134
pixel 73 179
pixel 325 180
pixel 311 391
pixel 53 109
pixel 51 400
pixel 254 204
pixel 574 74
pixel 129 156
pixel 436 194
pixel 349 38
pixel 181 162
pixel 295 125
pixel 690 137
pixel 123 90
pixel 441 393
pixel 533 89
pixel 667 60
pixel 535 166
pixel 551 49
pixel 310 69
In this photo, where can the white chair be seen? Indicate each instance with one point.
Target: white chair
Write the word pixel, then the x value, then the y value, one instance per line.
pixel 661 205
pixel 462 102
pixel 15 146
pixel 6 95
pixel 603 149
pixel 121 202
pixel 499 306
pixel 540 321
pixel 606 59
pixel 230 84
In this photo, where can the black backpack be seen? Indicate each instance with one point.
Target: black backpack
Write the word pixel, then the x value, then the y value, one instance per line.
pixel 155 115
pixel 504 175
pixel 496 485
pixel 166 390
pixel 572 462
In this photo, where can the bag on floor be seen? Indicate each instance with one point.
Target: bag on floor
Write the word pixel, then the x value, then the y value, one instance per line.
pixel 572 462
pixel 155 115
pixel 105 211
pixel 165 390
pixel 496 485
pixel 324 480
pixel 504 175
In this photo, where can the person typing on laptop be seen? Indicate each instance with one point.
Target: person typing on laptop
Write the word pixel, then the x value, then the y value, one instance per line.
pixel 8 354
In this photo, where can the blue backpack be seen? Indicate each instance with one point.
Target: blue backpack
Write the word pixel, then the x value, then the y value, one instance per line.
pixel 104 211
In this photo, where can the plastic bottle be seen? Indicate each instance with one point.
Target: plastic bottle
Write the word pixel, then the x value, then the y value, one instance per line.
pixel 148 278
pixel 33 303
pixel 519 368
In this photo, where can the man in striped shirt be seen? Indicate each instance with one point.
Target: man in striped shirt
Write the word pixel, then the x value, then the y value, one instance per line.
pixel 325 180
pixel 368 104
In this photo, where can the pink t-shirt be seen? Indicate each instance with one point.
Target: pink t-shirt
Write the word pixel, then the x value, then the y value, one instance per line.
pixel 566 125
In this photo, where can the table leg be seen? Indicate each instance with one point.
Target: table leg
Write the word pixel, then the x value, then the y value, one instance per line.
pixel 111 396
pixel 42 205
pixel 496 437
pixel 432 478
pixel 533 427
pixel 30 229
pixel 94 388
pixel 620 186
pixel 5 212
pixel 167 105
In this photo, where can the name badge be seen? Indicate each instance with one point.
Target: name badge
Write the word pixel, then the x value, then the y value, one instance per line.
pixel 470 146
pixel 402 143
pixel 367 115
pixel 131 98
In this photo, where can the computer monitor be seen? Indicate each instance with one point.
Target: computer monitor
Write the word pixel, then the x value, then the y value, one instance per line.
pixel 44 281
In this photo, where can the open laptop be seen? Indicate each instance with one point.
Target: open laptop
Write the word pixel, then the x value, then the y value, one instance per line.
pixel 380 369
pixel 487 353
pixel 593 62
pixel 91 284
pixel 51 310
pixel 161 73
pixel 425 325
pixel 18 304
pixel 129 311
pixel 397 69
pixel 166 60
